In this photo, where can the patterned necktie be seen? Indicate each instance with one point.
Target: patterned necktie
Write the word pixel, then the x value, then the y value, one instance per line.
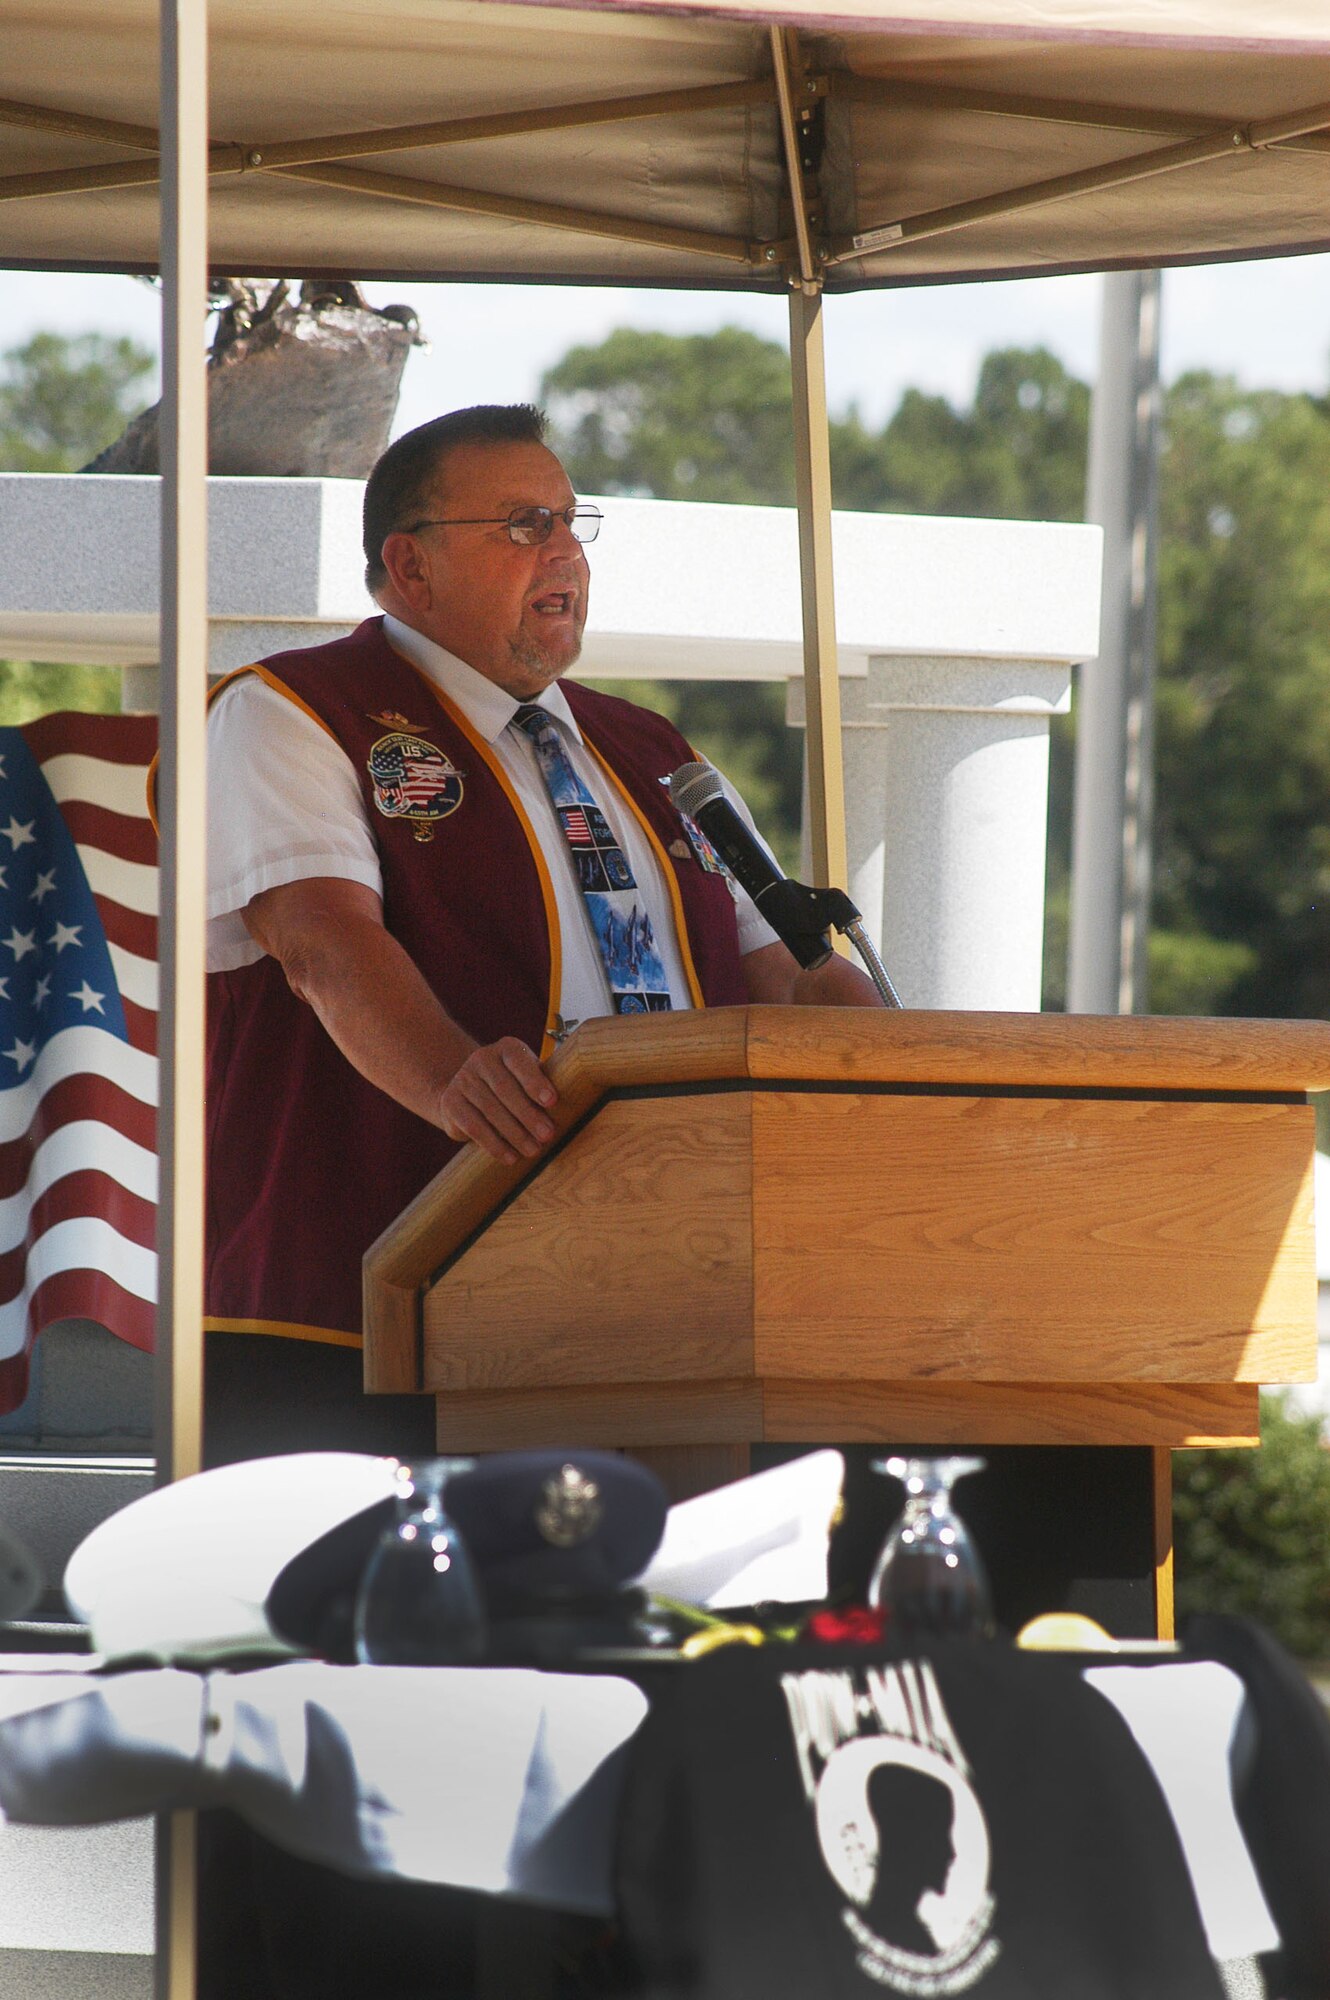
pixel 619 924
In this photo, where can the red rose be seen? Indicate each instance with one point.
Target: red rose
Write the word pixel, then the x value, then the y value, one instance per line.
pixel 856 1625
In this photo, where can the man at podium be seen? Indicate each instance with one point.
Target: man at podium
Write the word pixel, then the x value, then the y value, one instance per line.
pixel 430 857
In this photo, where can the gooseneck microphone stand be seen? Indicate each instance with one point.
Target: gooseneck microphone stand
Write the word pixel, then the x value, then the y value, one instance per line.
pixel 795 911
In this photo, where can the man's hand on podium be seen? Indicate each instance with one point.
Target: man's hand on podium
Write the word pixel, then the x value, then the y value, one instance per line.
pixel 499 1099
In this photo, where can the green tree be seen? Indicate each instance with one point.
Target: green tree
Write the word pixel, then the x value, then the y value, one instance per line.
pixel 1252 1530
pixel 63 399
pixel 1242 824
pixel 1240 921
pixel 701 416
pixel 707 416
pixel 29 688
pixel 1017 453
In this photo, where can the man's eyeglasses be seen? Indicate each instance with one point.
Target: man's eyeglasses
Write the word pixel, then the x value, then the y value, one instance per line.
pixel 529 527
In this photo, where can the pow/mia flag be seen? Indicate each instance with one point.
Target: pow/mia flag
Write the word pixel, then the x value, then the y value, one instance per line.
pixel 830 1822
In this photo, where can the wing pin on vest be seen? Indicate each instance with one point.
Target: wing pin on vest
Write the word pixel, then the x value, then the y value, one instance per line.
pixel 413 780
pixel 392 718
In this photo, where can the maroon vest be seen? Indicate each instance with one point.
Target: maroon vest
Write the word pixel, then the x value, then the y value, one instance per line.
pixel 308 1162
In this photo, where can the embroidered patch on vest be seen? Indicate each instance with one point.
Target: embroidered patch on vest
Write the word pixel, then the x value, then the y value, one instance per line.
pixel 414 780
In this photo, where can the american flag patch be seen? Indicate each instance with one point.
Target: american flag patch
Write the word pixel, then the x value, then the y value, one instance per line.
pixel 420 777
pixel 413 779
pixel 575 826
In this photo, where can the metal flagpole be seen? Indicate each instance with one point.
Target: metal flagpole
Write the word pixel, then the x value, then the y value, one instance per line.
pixel 182 806
pixel 1111 835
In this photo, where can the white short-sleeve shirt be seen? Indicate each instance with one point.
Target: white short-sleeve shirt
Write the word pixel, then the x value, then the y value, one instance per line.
pixel 286 806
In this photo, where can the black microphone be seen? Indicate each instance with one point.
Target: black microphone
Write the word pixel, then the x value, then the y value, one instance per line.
pixel 698 793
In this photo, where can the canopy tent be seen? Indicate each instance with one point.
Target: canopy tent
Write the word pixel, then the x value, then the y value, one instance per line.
pixel 443 138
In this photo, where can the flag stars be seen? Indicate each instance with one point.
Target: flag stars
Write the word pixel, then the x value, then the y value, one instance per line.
pixel 43 991
pixel 64 934
pixel 45 886
pixel 89 1001
pixel 22 1053
pixel 4 989
pixel 19 836
pixel 20 942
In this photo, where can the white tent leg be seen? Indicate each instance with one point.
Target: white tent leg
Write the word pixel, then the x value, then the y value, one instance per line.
pixel 182 802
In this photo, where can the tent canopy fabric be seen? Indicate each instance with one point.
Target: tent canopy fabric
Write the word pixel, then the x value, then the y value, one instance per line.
pixel 943 138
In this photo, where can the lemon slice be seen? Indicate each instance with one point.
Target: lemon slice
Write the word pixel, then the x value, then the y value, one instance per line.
pixel 1065 1632
pixel 701 1643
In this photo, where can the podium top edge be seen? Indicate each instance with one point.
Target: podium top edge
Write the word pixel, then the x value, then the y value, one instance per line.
pixel 846 1044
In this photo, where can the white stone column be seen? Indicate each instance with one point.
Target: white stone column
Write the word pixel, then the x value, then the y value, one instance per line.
pixel 946 804
pixel 965 773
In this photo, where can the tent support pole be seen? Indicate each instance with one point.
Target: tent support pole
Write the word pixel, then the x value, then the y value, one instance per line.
pixel 182 792
pixel 1107 965
pixel 812 490
pixel 182 785
pixel 812 471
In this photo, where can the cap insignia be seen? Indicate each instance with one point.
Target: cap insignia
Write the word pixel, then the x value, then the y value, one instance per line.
pixel 569 1508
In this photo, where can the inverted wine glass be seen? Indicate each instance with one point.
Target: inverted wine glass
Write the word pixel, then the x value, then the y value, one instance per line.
pixel 419 1603
pixel 929 1577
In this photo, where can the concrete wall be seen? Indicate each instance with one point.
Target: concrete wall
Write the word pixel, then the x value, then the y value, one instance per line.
pixel 87 1391
pixel 680 590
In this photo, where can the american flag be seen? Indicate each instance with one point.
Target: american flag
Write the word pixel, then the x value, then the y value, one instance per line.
pixel 78 1032
pixel 575 825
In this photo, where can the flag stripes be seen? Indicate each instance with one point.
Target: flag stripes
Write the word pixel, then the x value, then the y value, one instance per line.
pixel 78 1032
pixel 86 1146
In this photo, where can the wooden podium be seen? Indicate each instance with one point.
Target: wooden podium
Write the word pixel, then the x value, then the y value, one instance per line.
pixel 835 1225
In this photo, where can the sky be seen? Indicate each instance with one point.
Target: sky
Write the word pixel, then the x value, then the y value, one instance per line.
pixel 1267 322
